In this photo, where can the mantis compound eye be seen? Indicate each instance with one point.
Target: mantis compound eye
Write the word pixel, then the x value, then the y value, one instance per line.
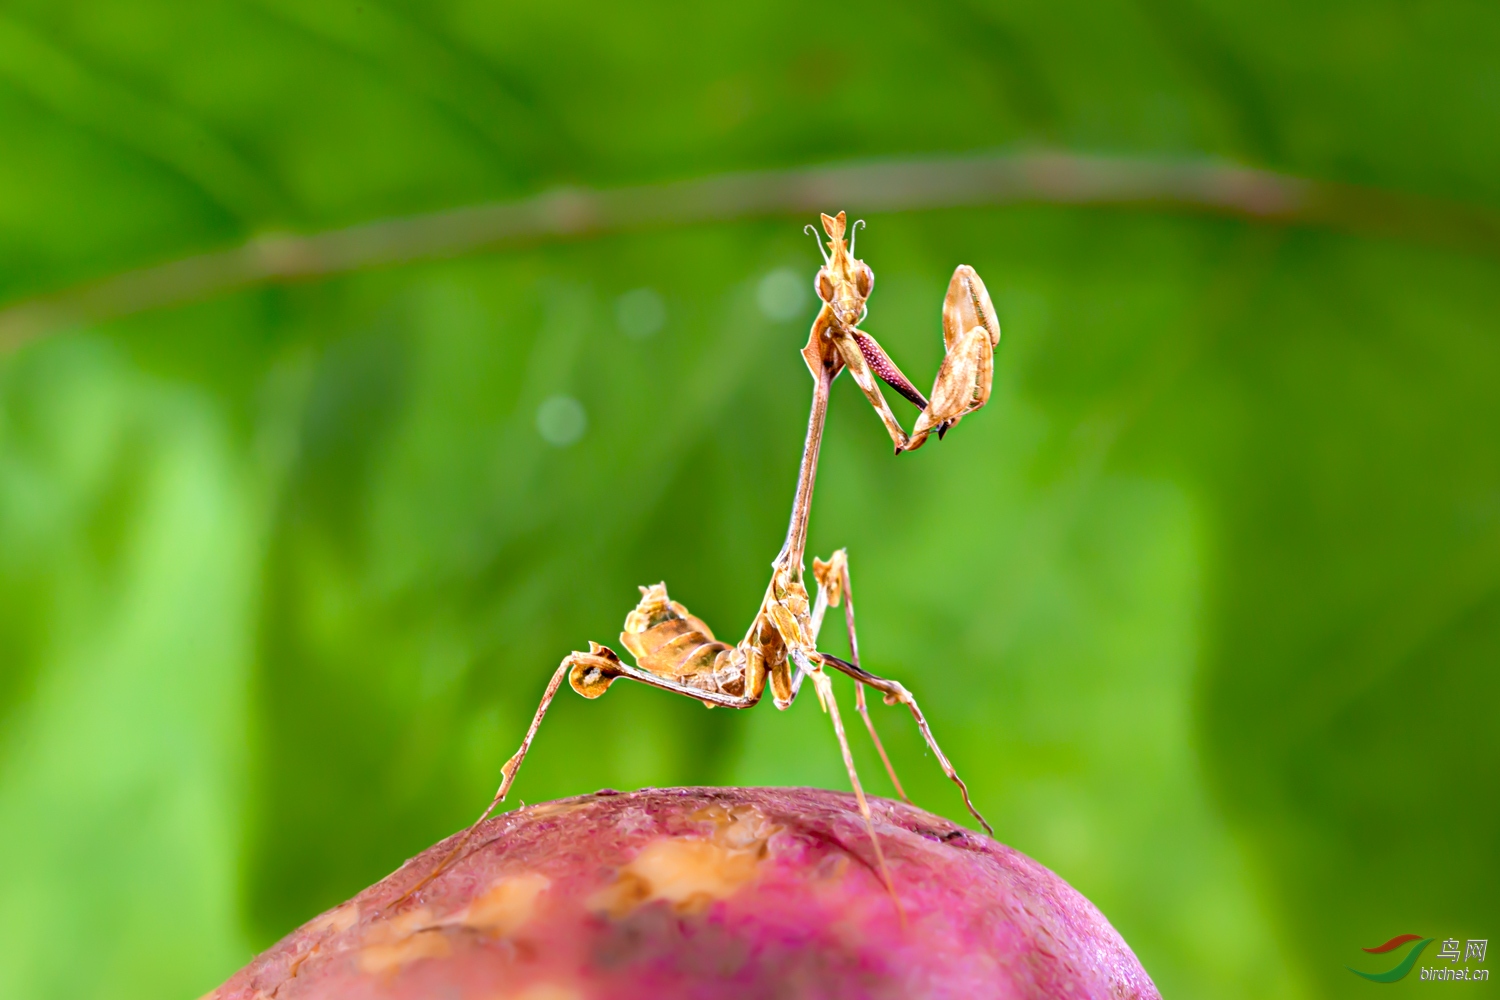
pixel 864 280
pixel 824 285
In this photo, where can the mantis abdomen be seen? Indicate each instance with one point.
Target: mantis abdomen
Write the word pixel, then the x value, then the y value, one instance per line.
pixel 669 641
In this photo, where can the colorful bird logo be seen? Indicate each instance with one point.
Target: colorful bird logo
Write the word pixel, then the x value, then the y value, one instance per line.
pixel 1402 967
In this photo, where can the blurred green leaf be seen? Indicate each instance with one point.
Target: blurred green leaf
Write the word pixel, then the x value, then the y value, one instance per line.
pixel 128 552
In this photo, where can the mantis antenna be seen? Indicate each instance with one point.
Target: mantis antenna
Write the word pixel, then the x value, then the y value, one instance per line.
pixel 809 230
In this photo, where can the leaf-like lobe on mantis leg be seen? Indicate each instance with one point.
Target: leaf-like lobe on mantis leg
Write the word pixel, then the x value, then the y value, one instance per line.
pixel 966 306
pixel 971 332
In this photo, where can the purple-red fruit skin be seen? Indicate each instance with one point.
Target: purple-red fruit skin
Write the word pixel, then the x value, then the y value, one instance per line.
pixel 708 893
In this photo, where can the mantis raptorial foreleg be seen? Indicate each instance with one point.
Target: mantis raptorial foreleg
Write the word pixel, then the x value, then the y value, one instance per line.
pixel 855 351
pixel 971 332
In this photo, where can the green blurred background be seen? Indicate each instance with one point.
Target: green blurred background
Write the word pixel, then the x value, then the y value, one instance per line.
pixel 1205 605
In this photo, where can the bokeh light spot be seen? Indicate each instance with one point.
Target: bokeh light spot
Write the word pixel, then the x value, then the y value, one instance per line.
pixel 781 294
pixel 561 420
pixel 640 312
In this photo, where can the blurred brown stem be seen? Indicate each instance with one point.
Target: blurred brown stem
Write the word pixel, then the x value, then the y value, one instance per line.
pixel 1040 177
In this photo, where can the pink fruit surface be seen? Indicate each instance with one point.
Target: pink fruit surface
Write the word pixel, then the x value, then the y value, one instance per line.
pixel 707 893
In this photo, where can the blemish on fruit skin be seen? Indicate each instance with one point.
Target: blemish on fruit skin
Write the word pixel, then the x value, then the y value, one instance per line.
pixel 406 938
pixel 832 868
pixel 633 822
pixel 403 925
pixel 544 809
pixel 545 991
pixel 741 826
pixel 337 921
pixel 690 872
pixel 505 907
pixel 386 957
pixel 320 930
pixel 501 910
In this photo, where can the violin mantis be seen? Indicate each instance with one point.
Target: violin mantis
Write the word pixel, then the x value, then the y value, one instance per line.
pixel 677 652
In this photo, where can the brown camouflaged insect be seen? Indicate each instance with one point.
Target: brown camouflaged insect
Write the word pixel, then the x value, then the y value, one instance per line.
pixel 675 651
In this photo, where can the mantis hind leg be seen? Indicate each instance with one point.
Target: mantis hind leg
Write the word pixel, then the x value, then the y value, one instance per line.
pixel 863 709
pixel 824 688
pixel 507 776
pixel 835 588
pixel 590 674
pixel 895 694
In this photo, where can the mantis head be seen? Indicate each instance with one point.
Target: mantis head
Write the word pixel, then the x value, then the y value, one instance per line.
pixel 844 282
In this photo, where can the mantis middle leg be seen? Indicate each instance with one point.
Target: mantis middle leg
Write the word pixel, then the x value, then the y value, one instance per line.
pixel 834 587
pixel 811 666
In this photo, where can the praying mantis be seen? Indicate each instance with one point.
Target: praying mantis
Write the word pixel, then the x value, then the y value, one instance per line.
pixel 677 652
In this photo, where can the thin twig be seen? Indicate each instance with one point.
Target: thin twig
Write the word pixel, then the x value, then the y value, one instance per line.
pixel 1195 185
